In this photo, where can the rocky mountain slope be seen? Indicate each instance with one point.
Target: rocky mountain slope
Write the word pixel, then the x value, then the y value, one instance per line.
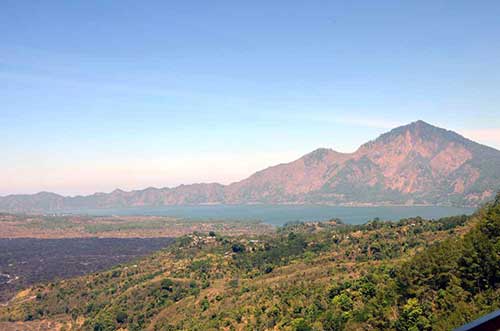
pixel 413 164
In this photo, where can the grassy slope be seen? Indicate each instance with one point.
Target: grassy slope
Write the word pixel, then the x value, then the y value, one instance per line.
pixel 411 275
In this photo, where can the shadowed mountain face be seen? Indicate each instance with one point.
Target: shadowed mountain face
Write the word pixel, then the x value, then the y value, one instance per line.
pixel 413 164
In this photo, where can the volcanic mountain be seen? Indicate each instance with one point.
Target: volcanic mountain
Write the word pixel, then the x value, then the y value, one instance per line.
pixel 413 164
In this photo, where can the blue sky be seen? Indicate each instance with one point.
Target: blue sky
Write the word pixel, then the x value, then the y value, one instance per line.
pixel 96 95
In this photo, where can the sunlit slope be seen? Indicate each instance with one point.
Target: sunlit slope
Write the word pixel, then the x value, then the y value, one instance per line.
pixel 413 164
pixel 415 274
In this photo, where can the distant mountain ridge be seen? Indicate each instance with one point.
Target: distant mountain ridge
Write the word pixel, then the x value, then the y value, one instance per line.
pixel 413 164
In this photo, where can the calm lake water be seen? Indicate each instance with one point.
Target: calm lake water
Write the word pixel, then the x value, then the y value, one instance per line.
pixel 281 214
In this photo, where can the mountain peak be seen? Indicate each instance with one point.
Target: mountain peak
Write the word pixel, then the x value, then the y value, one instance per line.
pixel 415 133
pixel 417 163
pixel 118 191
pixel 319 153
pixel 418 127
pixel 420 123
pixel 45 194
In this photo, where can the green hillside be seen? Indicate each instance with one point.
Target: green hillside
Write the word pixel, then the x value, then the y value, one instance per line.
pixel 415 274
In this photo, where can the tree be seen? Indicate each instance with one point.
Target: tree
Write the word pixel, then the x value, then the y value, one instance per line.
pixel 334 322
pixel 104 322
pixel 121 317
pixel 167 284
pixel 299 324
pixel 238 248
pixel 343 301
pixel 413 318
pixel 204 304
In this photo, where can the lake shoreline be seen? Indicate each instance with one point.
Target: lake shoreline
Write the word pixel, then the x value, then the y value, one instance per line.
pixel 280 214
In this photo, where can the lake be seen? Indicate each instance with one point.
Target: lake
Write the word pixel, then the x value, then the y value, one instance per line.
pixel 281 214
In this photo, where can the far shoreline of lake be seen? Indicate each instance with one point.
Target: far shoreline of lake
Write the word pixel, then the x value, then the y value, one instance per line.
pixel 278 215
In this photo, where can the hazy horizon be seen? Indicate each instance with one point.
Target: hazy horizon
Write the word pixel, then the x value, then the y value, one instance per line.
pixel 97 96
pixel 189 183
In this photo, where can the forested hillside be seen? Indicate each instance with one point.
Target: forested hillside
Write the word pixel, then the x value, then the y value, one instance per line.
pixel 415 274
